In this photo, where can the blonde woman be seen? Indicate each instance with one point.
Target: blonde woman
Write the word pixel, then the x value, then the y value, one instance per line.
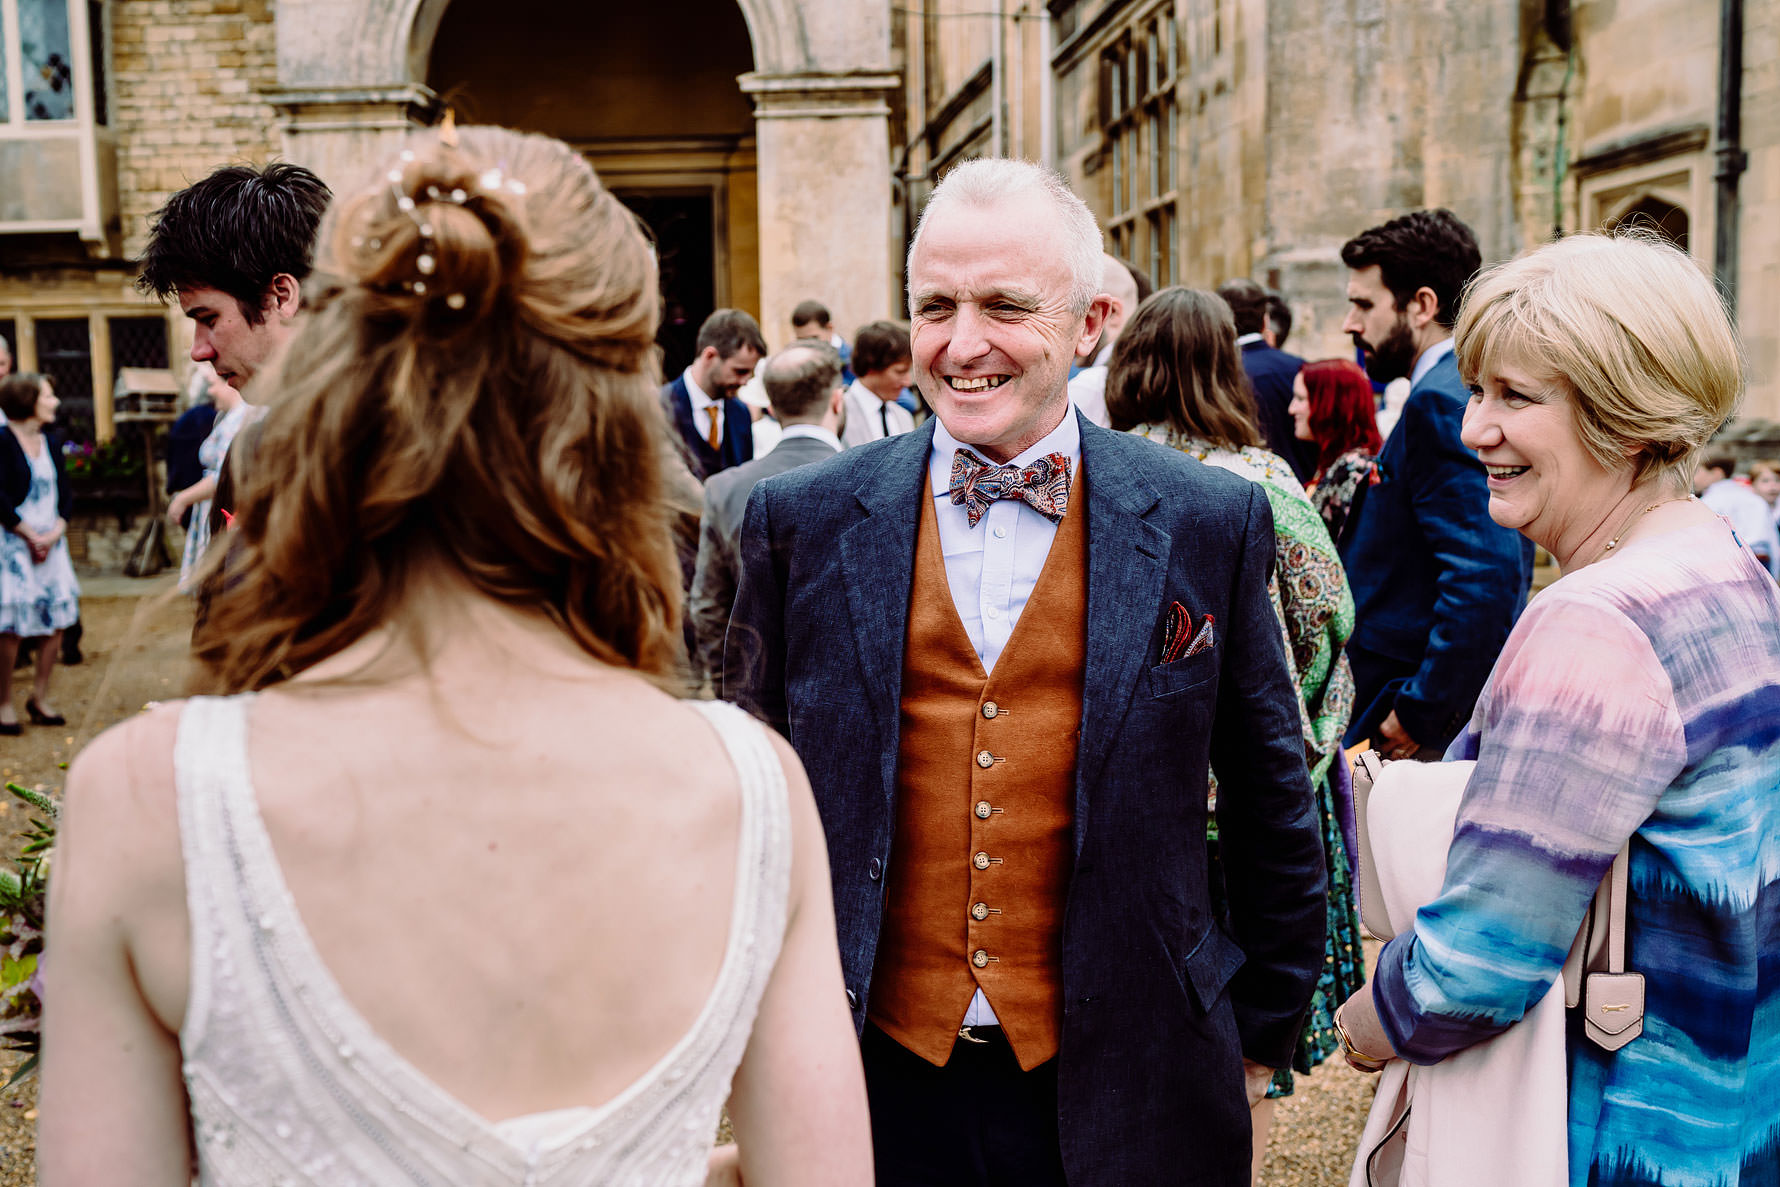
pixel 451 888
pixel 1636 702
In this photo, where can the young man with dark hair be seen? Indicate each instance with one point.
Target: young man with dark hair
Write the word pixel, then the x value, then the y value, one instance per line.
pixel 1270 375
pixel 715 428
pixel 235 249
pixel 874 411
pixel 1437 583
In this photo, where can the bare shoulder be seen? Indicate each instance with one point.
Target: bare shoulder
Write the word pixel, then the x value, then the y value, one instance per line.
pixel 129 767
pixel 120 812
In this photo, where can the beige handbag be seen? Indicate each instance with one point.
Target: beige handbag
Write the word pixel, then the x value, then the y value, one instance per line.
pixel 1594 976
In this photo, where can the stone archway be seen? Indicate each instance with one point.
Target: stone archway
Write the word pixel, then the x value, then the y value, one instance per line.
pixel 351 84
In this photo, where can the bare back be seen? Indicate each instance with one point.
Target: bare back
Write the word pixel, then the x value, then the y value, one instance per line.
pixel 520 871
pixel 520 874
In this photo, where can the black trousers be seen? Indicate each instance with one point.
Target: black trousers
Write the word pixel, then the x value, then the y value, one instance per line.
pixel 979 1121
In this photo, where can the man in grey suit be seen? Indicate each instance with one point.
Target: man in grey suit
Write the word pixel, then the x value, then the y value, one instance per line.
pixel 1009 647
pixel 803 383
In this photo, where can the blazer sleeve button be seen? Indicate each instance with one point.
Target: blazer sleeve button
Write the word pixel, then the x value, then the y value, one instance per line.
pixel 874 869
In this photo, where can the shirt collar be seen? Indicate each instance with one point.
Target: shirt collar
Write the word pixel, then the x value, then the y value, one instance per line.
pixel 816 432
pixel 1245 339
pixel 699 398
pixel 1104 356
pixel 1065 439
pixel 1429 358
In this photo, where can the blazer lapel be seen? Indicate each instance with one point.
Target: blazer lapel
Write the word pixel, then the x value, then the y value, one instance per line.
pixel 877 568
pixel 1127 562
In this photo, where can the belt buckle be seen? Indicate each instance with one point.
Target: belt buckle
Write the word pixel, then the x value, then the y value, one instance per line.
pixel 964 1033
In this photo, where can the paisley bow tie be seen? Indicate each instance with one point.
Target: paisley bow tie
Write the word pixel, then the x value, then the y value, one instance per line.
pixel 1043 486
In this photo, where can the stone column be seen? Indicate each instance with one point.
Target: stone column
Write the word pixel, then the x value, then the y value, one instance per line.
pixel 823 141
pixel 344 132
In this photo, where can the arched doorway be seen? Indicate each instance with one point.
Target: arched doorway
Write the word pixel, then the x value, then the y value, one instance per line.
pixel 795 168
pixel 649 94
pixel 1651 213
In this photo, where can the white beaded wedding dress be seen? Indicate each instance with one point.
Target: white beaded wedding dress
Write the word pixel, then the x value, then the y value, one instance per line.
pixel 289 1085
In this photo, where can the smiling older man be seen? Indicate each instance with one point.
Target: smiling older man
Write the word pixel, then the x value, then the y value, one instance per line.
pixel 1008 647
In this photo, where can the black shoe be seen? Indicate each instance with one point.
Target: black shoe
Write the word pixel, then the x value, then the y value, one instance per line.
pixel 11 729
pixel 39 717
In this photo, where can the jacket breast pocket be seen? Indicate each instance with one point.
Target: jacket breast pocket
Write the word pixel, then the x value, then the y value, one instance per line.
pixel 1183 675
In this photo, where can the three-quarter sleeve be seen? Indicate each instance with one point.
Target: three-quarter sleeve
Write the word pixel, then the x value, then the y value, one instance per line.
pixel 1576 739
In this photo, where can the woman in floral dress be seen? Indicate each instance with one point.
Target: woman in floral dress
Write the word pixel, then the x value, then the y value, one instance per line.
pixel 1176 378
pixel 39 595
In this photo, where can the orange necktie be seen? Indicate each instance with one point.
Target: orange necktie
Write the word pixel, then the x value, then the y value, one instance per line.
pixel 715 438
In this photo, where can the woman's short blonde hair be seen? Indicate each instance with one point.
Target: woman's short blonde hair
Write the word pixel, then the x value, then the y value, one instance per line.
pixel 1631 325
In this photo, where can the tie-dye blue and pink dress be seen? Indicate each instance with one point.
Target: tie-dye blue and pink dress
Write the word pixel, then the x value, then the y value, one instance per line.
pixel 1637 697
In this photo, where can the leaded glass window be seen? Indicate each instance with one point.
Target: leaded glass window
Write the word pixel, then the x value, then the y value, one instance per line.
pixel 47 54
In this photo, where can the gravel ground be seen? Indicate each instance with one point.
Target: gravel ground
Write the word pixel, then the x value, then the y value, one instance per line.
pixel 136 652
pixel 1318 1128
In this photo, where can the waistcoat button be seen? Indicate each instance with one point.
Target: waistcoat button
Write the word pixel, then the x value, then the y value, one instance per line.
pixel 979 958
pixel 982 861
pixel 979 911
pixel 983 809
pixel 990 709
pixel 985 760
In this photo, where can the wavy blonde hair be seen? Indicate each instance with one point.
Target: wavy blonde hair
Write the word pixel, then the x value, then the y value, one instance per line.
pixel 1634 329
pixel 474 385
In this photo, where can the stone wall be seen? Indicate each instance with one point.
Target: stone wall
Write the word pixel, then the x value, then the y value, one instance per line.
pixel 187 75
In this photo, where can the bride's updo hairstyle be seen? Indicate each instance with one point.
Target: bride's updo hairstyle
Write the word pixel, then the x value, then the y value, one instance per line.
pixel 474 388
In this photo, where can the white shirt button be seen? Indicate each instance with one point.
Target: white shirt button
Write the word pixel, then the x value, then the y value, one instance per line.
pixel 992 612
pixel 1000 532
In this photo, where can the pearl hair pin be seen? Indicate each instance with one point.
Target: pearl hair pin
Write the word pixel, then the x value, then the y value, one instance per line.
pixel 426 263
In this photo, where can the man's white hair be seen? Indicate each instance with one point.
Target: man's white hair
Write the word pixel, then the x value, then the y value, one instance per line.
pixel 989 181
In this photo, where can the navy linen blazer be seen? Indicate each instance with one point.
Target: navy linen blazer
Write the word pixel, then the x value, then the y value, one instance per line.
pixel 701 459
pixel 1161 999
pixel 1437 583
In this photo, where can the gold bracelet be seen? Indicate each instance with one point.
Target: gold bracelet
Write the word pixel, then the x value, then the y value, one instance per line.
pixel 1356 1058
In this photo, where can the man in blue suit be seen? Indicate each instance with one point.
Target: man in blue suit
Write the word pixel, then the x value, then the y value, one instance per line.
pixel 715 430
pixel 1437 583
pixel 1009 648
pixel 1270 375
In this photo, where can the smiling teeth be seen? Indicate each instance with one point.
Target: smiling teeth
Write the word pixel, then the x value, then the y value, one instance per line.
pixel 1506 471
pixel 988 383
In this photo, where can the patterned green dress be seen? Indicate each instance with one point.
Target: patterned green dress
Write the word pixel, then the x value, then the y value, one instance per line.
pixel 1316 616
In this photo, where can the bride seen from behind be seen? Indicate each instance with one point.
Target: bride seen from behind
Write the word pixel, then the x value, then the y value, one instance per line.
pixel 451 888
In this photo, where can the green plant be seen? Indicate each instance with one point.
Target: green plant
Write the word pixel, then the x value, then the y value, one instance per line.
pixel 24 890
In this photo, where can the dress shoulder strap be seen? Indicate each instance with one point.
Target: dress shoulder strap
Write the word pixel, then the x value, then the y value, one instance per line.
pixel 765 843
pixel 209 770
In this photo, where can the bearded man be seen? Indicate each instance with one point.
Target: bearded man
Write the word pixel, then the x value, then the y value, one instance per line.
pixel 1437 583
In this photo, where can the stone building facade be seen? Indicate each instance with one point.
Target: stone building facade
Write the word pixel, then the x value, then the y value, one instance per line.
pixel 782 149
pixel 1220 138
pixel 752 135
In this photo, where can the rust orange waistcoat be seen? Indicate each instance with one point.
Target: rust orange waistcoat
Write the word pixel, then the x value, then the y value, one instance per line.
pixel 985 793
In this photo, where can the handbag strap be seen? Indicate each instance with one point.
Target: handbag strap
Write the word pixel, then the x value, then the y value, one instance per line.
pixel 1618 882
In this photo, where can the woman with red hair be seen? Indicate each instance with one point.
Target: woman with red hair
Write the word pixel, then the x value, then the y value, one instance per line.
pixel 1332 405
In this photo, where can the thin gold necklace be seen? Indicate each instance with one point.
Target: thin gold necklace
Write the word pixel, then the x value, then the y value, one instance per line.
pixel 1631 520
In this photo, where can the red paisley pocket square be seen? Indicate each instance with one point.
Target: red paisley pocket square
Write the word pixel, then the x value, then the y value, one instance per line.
pixel 1179 638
